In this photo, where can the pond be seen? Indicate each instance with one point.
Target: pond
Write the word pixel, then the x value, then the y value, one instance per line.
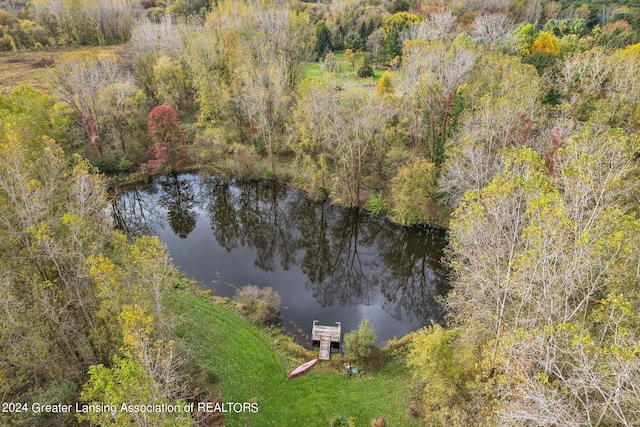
pixel 328 263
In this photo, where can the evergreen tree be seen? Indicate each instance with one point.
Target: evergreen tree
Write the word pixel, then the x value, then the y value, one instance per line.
pixel 354 42
pixel 323 39
pixel 370 28
pixel 363 32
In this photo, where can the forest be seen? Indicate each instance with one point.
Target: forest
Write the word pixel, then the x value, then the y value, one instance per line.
pixel 511 123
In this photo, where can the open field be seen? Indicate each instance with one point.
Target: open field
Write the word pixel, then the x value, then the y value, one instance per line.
pixel 248 368
pixel 32 67
pixel 343 70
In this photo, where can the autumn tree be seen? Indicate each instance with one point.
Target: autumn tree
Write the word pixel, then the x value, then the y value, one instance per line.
pixel 433 73
pixel 546 43
pixel 84 22
pixel 145 374
pixel 437 26
pixel 544 277
pixel 344 127
pixel 581 81
pixel 393 26
pixel 53 219
pixel 439 358
pixel 260 49
pixel 169 140
pixel 491 30
pixel 95 87
pixel 385 84
pixel 163 41
pixel 412 191
pixel 505 109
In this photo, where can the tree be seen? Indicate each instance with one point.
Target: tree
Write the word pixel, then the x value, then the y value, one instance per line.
pixel 126 381
pixel 615 35
pixel 621 88
pixel 339 133
pixel 433 74
pixel 323 39
pixel 82 81
pixel 151 41
pixel 412 192
pixel 437 26
pixel 360 344
pixel 439 359
pixel 505 99
pixel 353 138
pixel 393 26
pixel 375 44
pixel 52 220
pixel 172 84
pixel 269 45
pixel 145 375
pixel 523 37
pixel 546 43
pixel 354 42
pixel 544 282
pixel 385 84
pixel 492 30
pixel 353 57
pixel 264 100
pixel 169 140
pixel 92 21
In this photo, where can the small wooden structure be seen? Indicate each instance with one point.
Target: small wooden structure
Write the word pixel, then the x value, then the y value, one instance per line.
pixel 326 336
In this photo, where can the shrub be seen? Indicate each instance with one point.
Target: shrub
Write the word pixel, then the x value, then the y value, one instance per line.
pixel 341 421
pixel 261 305
pixel 385 84
pixel 377 204
pixel 365 71
pixel 361 344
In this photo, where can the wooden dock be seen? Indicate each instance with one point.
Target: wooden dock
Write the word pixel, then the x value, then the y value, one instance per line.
pixel 325 335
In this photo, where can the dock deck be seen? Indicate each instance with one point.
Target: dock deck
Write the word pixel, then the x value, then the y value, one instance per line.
pixel 326 335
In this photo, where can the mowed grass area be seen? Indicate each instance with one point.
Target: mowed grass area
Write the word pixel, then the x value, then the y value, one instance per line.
pixel 32 67
pixel 247 365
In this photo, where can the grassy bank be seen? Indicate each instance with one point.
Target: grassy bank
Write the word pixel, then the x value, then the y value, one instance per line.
pixel 247 367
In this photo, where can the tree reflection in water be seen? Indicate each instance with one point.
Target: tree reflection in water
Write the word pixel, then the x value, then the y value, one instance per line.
pixel 348 257
pixel 135 213
pixel 179 197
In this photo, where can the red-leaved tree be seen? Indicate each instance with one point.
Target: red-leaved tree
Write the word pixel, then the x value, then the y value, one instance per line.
pixel 169 140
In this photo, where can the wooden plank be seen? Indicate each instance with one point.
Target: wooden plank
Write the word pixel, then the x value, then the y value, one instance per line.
pixel 325 350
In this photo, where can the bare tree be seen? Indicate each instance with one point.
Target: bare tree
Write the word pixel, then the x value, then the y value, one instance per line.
pixel 547 272
pixel 437 26
pixel 92 21
pixel 492 30
pixel 433 74
pixel 82 81
pixel 506 99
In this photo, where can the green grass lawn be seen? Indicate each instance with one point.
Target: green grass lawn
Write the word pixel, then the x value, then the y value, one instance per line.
pixel 344 71
pixel 249 368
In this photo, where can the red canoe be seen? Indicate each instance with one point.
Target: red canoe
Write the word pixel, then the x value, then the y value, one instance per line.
pixel 303 368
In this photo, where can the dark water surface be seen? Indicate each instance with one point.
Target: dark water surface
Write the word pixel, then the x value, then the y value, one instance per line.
pixel 327 263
